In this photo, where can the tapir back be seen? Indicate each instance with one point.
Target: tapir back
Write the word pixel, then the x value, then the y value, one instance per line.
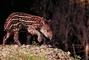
pixel 18 20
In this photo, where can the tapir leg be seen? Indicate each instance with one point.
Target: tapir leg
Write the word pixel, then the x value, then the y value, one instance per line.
pixel 28 39
pixel 33 31
pixel 5 38
pixel 36 32
pixel 16 38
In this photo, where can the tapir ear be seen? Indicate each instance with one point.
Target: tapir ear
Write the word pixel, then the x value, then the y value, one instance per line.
pixel 49 21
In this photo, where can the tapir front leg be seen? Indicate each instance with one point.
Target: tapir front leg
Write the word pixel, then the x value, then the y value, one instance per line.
pixel 39 35
pixel 16 38
pixel 36 32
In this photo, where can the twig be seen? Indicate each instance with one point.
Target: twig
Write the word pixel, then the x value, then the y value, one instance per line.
pixel 74 51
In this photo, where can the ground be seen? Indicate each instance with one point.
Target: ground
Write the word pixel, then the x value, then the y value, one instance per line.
pixel 33 52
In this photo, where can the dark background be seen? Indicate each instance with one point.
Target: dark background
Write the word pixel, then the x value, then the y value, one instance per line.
pixel 69 20
pixel 9 6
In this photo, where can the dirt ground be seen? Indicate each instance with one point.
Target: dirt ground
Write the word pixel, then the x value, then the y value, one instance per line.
pixel 33 52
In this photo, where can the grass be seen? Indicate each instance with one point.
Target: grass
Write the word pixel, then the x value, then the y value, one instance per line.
pixel 25 54
pixel 32 52
pixel 22 56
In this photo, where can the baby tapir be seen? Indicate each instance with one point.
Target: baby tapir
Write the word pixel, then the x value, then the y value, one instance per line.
pixel 33 24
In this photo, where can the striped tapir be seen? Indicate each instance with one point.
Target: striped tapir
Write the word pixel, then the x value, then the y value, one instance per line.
pixel 35 25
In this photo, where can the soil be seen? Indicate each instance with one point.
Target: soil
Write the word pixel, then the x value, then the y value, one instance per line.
pixel 34 50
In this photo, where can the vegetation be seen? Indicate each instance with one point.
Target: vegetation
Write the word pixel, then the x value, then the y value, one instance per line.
pixel 9 53
pixel 32 52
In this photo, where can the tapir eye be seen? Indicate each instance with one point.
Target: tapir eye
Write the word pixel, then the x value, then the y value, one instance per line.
pixel 48 30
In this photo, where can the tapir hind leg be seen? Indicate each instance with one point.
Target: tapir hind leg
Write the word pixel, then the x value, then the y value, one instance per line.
pixel 16 38
pixel 5 38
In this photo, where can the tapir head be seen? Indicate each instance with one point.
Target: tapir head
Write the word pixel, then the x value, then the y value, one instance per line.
pixel 46 30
